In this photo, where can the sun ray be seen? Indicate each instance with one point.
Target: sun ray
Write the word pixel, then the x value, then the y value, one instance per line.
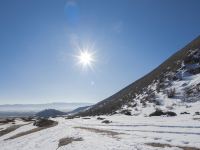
pixel 85 58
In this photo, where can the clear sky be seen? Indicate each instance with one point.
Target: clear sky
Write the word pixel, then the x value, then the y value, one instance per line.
pixel 39 40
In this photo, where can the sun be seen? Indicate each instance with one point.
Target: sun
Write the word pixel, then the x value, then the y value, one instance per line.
pixel 86 58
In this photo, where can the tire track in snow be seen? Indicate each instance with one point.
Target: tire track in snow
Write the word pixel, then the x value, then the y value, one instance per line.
pixel 148 125
pixel 151 131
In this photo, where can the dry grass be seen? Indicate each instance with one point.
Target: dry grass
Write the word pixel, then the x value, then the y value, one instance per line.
pixel 31 131
pixel 100 131
pixel 67 140
pixel 9 129
pixel 6 121
pixel 168 145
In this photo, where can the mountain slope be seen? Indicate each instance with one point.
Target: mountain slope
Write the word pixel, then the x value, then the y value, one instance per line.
pixel 130 93
pixel 78 110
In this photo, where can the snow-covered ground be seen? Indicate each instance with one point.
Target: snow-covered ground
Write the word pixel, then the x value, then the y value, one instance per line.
pixel 133 133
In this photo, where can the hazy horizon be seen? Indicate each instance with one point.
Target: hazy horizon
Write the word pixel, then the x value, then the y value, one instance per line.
pixel 46 103
pixel 74 51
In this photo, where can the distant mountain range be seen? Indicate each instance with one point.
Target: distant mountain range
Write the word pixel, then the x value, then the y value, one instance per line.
pixel 50 113
pixel 39 107
pixel 55 113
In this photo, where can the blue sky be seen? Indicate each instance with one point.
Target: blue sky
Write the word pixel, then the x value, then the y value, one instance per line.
pixel 39 38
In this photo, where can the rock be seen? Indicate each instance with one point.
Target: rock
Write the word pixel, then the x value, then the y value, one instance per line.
pixel 86 118
pixel 184 113
pixel 157 113
pixel 106 121
pixel 170 113
pixel 99 118
pixel 161 113
pixel 126 112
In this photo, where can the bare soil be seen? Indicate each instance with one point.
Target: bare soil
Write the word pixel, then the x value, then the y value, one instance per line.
pixel 9 129
pixel 67 140
pixel 31 131
pixel 168 145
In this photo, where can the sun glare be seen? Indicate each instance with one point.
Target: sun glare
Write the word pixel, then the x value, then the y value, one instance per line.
pixel 85 58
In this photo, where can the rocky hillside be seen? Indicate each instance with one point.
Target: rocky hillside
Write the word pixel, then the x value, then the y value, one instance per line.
pixel 176 82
